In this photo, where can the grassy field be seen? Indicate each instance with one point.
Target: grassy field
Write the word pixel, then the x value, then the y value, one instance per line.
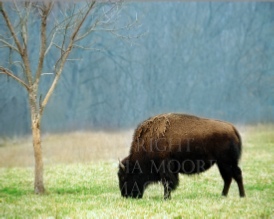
pixel 81 181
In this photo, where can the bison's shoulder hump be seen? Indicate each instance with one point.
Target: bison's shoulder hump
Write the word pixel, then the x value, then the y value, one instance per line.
pixel 154 126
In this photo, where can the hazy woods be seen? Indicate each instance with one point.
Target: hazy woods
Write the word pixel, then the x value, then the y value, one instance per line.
pixel 210 59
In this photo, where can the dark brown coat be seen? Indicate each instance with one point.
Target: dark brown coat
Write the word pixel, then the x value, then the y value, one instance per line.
pixel 168 144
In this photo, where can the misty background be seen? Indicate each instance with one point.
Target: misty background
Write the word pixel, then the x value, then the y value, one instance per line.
pixel 209 59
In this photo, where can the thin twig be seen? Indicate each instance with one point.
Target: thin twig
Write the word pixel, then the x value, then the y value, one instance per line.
pixel 6 44
pixel 47 73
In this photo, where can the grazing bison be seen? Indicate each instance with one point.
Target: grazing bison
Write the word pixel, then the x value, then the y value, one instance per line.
pixel 168 144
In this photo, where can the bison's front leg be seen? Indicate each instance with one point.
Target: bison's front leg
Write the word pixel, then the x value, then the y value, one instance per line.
pixel 167 189
pixel 170 182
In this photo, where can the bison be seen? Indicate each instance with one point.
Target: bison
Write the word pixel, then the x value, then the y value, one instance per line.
pixel 168 144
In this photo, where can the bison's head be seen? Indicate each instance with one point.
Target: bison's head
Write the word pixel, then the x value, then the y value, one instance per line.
pixel 130 180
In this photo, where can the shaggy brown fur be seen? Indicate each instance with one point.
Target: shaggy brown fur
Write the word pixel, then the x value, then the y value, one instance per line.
pixel 168 144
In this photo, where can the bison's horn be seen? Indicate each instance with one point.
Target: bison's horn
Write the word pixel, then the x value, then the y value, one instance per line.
pixel 121 165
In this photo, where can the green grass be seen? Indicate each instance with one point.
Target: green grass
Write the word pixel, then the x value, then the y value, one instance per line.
pixel 90 190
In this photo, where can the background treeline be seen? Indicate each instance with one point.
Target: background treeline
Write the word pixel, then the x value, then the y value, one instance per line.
pixel 211 59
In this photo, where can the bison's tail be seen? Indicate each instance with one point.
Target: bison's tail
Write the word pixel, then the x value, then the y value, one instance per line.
pixel 238 145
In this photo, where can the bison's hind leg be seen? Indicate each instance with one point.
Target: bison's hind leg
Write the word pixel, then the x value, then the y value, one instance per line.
pixel 237 175
pixel 228 172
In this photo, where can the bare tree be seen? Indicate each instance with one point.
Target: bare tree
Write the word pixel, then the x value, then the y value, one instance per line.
pixel 62 27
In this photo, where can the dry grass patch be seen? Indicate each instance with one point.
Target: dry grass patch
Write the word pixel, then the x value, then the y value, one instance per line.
pixel 67 148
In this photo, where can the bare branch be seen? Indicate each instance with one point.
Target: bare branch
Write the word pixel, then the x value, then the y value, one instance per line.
pixel 62 60
pixel 59 47
pixel 23 20
pixel 64 38
pixel 11 29
pixel 17 10
pixel 109 15
pixel 51 42
pixel 6 44
pixel 74 59
pixel 62 24
pixel 87 48
pixel 45 12
pixel 87 32
pixel 97 22
pixel 73 37
pixel 24 31
pixel 9 73
pixel 22 51
pixel 47 73
pixel 65 25
pixel 19 63
pixel 128 37
pixel 40 100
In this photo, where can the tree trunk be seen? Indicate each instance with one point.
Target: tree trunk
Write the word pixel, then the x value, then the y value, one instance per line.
pixel 37 147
